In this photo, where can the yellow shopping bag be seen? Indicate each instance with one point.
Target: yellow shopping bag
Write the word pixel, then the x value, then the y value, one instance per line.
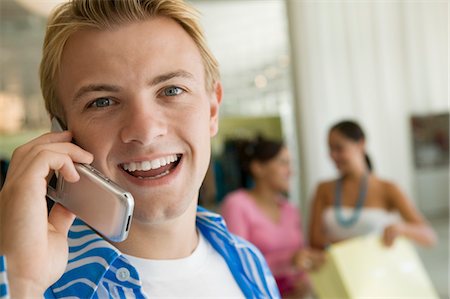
pixel 364 268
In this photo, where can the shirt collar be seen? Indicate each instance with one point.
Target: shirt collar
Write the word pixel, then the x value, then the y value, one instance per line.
pixel 90 258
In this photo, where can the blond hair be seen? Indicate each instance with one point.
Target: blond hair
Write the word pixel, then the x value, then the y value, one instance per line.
pixel 76 15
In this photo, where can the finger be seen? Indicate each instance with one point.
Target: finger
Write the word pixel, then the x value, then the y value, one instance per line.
pixel 53 161
pixel 25 154
pixel 51 152
pixel 61 219
pixel 76 153
pixel 47 138
pixel 319 259
pixel 387 238
pixel 50 176
pixel 319 255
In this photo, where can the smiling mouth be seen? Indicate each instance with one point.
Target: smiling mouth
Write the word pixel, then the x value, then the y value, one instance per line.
pixel 152 169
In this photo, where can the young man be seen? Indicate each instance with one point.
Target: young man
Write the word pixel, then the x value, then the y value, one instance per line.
pixel 136 85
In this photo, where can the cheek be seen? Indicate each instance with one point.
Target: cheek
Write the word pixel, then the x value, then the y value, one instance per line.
pixel 336 156
pixel 195 129
pixel 281 180
pixel 335 153
pixel 276 174
pixel 344 155
pixel 197 122
pixel 96 139
pixel 351 153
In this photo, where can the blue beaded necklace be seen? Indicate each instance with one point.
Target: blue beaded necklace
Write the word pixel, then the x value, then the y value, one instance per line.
pixel 347 222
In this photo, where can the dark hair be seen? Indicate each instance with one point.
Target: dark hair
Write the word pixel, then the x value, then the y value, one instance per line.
pixel 352 130
pixel 259 149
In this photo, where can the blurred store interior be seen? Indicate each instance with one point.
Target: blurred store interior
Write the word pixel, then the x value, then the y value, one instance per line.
pixel 290 69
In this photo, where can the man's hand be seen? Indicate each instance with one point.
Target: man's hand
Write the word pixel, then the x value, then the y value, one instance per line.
pixel 35 245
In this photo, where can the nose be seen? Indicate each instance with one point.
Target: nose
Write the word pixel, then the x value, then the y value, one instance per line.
pixel 143 124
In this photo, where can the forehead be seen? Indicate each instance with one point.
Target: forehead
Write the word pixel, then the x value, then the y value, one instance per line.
pixel 339 139
pixel 336 136
pixel 284 152
pixel 139 49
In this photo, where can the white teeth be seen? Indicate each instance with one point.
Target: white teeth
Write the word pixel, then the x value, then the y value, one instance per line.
pixel 148 165
pixel 163 162
pixel 156 164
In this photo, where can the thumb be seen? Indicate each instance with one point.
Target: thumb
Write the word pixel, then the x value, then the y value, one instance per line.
pixel 387 238
pixel 61 218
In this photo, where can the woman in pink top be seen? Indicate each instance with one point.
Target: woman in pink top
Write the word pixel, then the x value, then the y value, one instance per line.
pixel 263 216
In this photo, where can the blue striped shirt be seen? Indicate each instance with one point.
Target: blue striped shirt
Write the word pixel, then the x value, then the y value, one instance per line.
pixel 96 269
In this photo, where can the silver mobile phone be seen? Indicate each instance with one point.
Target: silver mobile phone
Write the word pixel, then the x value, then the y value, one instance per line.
pixel 95 199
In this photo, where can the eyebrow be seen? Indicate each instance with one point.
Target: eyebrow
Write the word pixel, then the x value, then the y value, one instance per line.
pixel 166 77
pixel 114 88
pixel 95 87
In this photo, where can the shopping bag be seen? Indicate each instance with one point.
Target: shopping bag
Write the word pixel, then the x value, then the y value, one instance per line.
pixel 364 268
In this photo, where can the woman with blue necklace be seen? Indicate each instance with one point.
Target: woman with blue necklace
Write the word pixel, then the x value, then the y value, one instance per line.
pixel 359 202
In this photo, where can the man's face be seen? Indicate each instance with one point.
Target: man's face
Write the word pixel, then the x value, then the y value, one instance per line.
pixel 135 97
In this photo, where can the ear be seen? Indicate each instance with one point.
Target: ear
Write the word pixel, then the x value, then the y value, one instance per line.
pixel 216 99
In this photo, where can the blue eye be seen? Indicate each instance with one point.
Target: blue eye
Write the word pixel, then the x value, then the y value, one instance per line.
pixel 172 91
pixel 102 102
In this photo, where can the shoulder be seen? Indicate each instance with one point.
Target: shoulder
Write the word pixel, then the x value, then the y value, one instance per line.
pixel 390 188
pixel 325 185
pixel 290 212
pixel 323 190
pixel 243 258
pixel 391 192
pixel 239 197
pixel 239 193
pixel 259 278
pixel 288 206
pixel 3 278
pixel 210 223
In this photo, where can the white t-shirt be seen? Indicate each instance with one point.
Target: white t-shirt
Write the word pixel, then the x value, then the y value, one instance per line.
pixel 202 274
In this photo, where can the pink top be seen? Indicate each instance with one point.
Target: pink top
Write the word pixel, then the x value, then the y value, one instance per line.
pixel 278 242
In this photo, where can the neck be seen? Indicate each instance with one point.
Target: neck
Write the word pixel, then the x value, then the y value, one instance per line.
pixel 171 239
pixel 263 194
pixel 356 173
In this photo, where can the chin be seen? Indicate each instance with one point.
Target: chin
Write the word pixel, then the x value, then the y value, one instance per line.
pixel 160 210
pixel 283 189
pixel 341 168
